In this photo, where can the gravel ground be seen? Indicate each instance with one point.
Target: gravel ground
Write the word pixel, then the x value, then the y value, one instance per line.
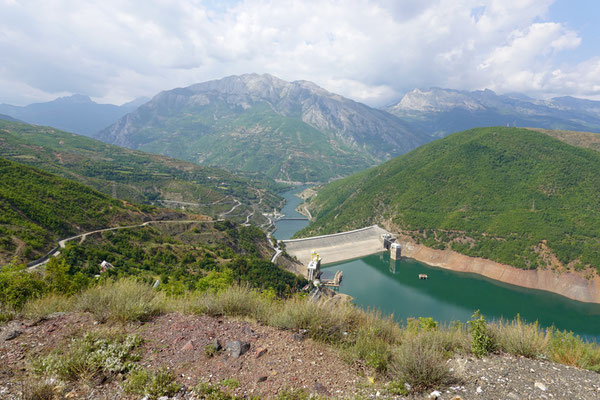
pixel 276 360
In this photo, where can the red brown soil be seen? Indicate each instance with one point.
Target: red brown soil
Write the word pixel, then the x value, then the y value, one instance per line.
pixel 178 342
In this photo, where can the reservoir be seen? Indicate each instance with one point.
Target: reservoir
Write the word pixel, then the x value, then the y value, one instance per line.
pixel 287 228
pixel 393 286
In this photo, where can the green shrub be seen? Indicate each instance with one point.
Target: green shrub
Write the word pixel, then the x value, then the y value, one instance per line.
pixel 325 323
pixel 482 341
pixel 151 384
pixel 211 392
pixel 101 352
pixel 123 300
pixel 371 348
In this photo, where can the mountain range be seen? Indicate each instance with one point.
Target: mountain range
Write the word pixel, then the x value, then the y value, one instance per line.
pixel 439 112
pixel 76 113
pixel 293 131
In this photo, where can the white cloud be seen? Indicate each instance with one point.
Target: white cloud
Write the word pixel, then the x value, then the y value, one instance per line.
pixel 368 50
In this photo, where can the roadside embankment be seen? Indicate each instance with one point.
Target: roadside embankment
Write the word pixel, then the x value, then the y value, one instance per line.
pixel 569 284
pixel 339 246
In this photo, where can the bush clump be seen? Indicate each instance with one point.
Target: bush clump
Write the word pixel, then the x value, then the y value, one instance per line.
pixel 152 384
pixel 420 362
pixel 516 337
pixel 85 358
pixel 123 300
pixel 482 341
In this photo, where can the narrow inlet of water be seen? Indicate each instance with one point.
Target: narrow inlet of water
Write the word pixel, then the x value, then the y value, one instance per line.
pixel 285 229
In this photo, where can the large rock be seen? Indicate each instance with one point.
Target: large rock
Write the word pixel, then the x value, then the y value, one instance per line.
pixel 236 348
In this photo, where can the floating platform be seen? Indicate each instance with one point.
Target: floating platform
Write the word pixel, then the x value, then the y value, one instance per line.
pixel 423 276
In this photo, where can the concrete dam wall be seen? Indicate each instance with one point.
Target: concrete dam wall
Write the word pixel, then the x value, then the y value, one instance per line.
pixel 338 246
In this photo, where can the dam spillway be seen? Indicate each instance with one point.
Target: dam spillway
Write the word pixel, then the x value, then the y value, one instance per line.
pixel 338 246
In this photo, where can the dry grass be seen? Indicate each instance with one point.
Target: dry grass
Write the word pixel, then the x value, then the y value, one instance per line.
pixel 47 305
pixel 122 301
pixel 521 339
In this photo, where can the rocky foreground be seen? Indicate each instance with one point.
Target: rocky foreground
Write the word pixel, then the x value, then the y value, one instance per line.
pixel 262 361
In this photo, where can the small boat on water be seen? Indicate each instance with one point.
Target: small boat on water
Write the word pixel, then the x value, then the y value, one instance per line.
pixel 423 276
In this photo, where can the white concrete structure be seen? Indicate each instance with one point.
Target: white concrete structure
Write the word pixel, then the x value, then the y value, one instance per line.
pixel 338 246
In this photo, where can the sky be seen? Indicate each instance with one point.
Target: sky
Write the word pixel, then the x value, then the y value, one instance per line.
pixel 370 51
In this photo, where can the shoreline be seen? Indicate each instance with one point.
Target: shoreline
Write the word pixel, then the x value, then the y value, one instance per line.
pixel 568 284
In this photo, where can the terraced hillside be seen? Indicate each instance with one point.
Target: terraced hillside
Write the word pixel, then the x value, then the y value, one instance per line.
pixel 136 176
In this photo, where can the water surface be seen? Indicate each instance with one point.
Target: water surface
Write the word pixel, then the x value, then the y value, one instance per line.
pixel 393 287
pixel 285 228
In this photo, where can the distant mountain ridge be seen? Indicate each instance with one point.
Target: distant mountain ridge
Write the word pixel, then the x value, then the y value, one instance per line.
pixel 289 130
pixel 440 111
pixel 76 113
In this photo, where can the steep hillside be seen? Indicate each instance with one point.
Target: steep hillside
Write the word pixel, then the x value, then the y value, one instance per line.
pixel 294 131
pixel 75 113
pixel 442 111
pixel 37 208
pixel 512 195
pixel 134 175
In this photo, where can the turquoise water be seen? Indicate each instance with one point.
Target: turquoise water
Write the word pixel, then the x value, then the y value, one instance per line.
pixel 376 282
pixel 285 229
pixel 393 287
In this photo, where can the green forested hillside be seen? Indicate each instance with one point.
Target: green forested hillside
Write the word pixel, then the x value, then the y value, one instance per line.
pixel 511 195
pixel 36 208
pixel 133 175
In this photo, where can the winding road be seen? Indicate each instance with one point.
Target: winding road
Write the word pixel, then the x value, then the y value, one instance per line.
pixel 62 243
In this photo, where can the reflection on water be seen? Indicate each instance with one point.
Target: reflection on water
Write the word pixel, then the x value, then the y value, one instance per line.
pixel 393 287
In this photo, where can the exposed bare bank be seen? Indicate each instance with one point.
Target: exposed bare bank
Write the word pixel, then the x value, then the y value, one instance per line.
pixel 569 284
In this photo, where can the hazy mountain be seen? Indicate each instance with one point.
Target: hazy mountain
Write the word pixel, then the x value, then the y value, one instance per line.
pixel 289 130
pixel 76 113
pixel 516 196
pixel 8 118
pixel 443 111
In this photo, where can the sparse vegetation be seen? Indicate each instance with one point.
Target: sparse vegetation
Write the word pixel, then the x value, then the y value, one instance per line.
pixel 152 384
pixel 123 300
pixel 415 354
pixel 87 357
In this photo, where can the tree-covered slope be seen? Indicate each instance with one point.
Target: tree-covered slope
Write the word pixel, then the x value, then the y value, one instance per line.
pixel 133 175
pixel 37 208
pixel 512 195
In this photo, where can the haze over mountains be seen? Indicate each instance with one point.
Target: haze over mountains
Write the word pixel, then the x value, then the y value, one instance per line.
pixel 76 113
pixel 293 131
pixel 296 131
pixel 443 111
